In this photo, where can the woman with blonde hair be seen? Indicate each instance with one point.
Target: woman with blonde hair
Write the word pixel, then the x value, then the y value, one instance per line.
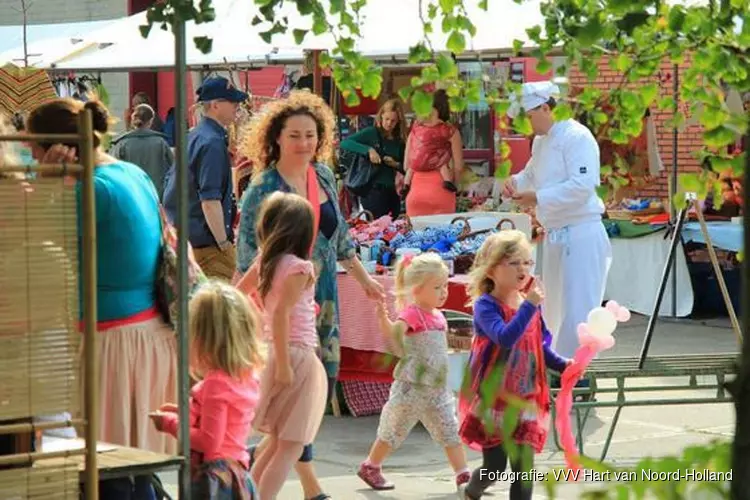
pixel 289 143
pixel 384 144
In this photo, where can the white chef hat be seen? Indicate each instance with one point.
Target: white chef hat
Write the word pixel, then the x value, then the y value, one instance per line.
pixel 533 95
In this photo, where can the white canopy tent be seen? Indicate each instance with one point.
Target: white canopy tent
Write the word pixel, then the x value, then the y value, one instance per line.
pixel 47 43
pixel 389 28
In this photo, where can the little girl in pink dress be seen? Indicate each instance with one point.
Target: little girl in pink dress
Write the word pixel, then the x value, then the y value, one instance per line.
pixel 294 384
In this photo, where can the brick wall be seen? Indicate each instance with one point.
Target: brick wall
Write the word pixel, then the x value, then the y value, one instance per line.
pixel 689 140
pixel 64 11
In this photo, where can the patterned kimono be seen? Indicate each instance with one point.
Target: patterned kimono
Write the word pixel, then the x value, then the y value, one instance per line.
pixel 325 254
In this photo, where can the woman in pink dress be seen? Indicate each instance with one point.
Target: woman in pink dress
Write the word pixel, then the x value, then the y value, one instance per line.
pixel 433 143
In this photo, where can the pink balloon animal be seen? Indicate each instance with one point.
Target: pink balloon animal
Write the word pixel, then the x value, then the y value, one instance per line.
pixel 594 336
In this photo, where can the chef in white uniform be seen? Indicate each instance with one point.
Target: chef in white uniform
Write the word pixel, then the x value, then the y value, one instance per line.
pixel 560 181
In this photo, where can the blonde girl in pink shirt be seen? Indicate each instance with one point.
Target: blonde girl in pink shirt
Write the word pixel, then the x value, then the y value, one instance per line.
pixel 226 358
pixel 420 389
pixel 294 384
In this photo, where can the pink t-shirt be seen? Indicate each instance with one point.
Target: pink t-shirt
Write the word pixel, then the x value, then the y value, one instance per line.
pixel 221 413
pixel 418 320
pixel 302 328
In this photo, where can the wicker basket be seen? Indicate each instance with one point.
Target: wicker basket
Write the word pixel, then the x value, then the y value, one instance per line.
pixel 458 342
pixel 622 214
pixel 460 330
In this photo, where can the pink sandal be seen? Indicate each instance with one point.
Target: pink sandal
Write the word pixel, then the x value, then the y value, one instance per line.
pixel 373 476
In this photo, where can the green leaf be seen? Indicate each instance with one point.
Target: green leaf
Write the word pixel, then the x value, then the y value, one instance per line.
pixel 719 137
pixel 299 35
pixel 510 423
pixel 336 6
pixel 501 107
pixel 676 18
pixel 505 150
pixel 325 60
pixel 667 103
pixel 320 26
pixel 689 183
pixel 534 33
pixel 457 104
pixel 502 171
pixel 712 117
pixel 203 44
pixel 352 99
pixel 256 21
pixel 372 84
pixel 543 66
pixel 305 7
pixel 522 124
pixel 446 67
pixel 422 103
pixel 405 93
pixel 738 164
pixel 622 62
pixel 562 111
pixel 629 100
pixel 456 42
pixel 419 53
pixel 517 47
pixel 145 30
pixel 649 93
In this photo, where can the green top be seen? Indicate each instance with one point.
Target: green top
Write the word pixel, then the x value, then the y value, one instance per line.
pixel 367 138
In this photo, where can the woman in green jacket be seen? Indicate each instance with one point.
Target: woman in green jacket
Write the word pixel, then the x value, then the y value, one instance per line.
pixel 384 143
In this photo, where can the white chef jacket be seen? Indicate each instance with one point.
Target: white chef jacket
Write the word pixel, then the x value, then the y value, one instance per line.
pixel 564 171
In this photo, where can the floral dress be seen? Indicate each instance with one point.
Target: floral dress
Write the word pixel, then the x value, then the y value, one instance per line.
pixel 326 254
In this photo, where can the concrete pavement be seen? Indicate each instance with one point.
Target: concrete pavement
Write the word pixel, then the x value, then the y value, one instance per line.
pixel 420 471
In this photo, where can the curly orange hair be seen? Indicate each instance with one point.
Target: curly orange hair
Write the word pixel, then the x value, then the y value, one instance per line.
pixel 260 136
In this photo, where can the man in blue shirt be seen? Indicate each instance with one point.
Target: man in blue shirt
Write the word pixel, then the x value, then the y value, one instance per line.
pixel 211 204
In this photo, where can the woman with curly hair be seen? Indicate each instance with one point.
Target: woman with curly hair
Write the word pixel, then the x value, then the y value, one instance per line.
pixel 288 144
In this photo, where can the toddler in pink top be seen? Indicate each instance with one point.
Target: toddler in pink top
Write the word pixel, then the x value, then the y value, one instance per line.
pixel 294 384
pixel 420 391
pixel 226 358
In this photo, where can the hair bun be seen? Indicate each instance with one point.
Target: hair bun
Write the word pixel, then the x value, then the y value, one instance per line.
pixel 99 114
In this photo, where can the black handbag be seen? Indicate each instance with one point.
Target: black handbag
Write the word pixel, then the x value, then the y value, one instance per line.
pixel 360 171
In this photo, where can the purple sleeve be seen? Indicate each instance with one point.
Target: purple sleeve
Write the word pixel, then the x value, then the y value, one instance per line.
pixel 553 360
pixel 489 320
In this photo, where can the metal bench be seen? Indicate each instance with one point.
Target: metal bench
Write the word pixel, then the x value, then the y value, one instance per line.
pixel 684 368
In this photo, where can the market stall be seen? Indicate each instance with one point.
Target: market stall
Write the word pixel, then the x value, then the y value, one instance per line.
pixel 367 358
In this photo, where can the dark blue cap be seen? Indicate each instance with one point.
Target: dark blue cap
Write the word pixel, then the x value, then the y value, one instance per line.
pixel 218 87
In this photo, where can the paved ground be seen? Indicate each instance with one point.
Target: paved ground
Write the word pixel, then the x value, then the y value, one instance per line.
pixel 420 470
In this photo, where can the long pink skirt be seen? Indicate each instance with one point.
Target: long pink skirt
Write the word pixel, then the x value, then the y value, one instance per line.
pixel 137 374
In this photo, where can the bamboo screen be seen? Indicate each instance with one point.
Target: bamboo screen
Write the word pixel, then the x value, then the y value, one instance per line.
pixel 39 313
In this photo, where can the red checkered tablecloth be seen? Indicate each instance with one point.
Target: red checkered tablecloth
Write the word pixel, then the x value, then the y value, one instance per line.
pixel 358 320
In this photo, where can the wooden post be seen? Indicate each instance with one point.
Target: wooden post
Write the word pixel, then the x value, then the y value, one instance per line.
pixel 86 155
pixel 317 73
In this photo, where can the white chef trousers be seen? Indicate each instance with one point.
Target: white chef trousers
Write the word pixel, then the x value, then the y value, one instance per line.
pixel 575 263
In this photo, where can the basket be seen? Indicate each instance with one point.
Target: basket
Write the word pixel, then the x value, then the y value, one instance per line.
pixel 622 214
pixel 459 342
pixel 460 330
pixel 462 263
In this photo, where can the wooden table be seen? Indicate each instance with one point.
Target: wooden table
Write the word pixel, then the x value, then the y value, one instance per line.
pixel 113 461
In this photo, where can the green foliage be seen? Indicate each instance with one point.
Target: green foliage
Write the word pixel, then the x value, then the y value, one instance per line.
pixel 636 36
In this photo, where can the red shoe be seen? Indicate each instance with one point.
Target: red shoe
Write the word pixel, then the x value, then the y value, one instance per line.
pixel 463 479
pixel 373 476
